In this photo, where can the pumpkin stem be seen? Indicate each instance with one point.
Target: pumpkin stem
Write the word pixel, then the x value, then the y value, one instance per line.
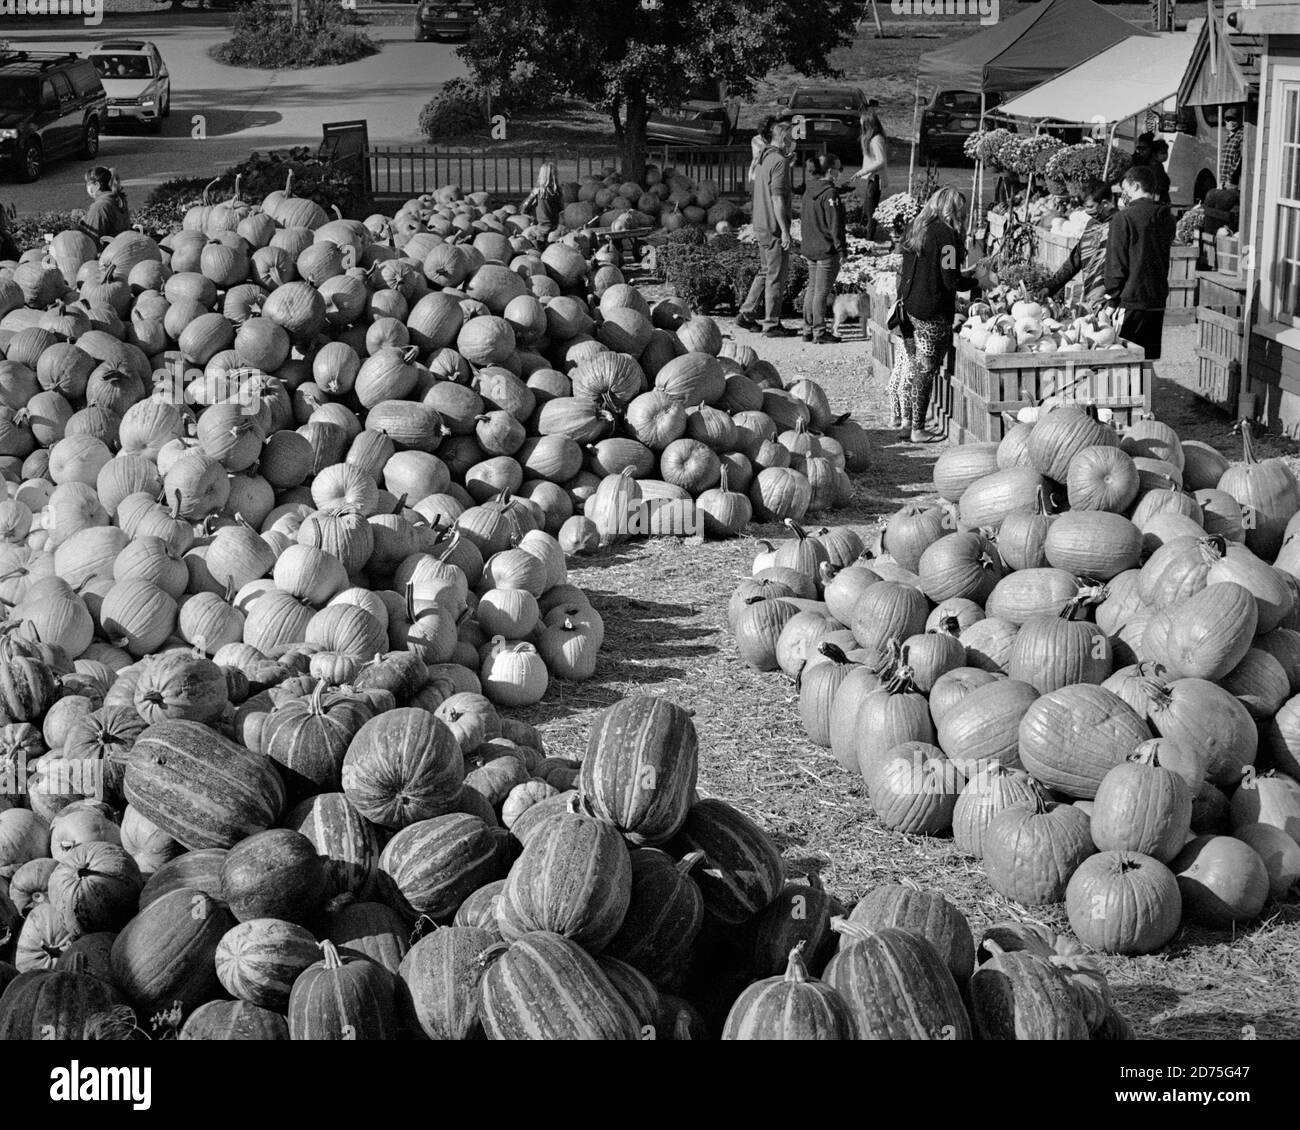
pixel 854 930
pixel 410 601
pixel 832 651
pixel 722 479
pixel 796 970
pixel 948 625
pixel 688 861
pixel 1247 449
pixel 331 959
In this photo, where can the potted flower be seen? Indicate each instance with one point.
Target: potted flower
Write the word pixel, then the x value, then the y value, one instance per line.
pixel 895 212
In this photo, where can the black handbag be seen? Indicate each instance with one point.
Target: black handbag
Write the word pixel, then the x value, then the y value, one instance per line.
pixel 898 319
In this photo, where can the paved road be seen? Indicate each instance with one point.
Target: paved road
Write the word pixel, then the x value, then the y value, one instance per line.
pixel 242 109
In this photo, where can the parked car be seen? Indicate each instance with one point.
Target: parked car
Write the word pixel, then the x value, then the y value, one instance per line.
pixel 831 115
pixel 51 105
pixel 445 19
pixel 136 81
pixel 1191 134
pixel 950 118
pixel 705 116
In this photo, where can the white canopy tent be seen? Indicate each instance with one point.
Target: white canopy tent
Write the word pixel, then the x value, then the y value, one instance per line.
pixel 1114 86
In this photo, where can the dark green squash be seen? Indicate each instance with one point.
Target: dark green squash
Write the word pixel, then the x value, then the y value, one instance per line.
pixel 199 870
pixel 54 1004
pixel 441 973
pixel 664 916
pixel 274 874
pixel 234 1020
pixel 370 929
pixel 801 913
pixel 343 998
pixel 742 871
pixel 928 915
pixel 347 842
pixel 96 886
pixel 1018 995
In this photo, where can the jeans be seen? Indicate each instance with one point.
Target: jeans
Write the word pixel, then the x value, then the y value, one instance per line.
pixel 769 283
pixel 821 280
pixel 870 201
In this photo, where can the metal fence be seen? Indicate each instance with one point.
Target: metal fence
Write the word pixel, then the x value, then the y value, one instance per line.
pixel 399 172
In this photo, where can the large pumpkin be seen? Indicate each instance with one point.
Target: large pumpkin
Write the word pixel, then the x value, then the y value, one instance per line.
pixel 431 866
pixel 1071 738
pixel 790 1007
pixel 343 998
pixel 1031 850
pixel 403 766
pixel 640 768
pixel 441 973
pixel 1124 902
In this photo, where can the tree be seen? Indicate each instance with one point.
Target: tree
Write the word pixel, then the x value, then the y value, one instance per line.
pixel 629 56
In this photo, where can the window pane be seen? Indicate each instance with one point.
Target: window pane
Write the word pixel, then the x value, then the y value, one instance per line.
pixel 1286 271
pixel 1291 115
pixel 1289 181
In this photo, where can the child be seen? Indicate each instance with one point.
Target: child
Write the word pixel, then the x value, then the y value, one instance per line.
pixel 545 200
pixel 823 243
pixel 108 214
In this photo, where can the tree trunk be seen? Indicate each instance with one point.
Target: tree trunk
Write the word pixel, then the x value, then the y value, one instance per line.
pixel 633 141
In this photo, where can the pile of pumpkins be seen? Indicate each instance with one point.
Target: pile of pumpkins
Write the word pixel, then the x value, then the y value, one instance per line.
pixel 1010 322
pixel 1082 663
pixel 459 884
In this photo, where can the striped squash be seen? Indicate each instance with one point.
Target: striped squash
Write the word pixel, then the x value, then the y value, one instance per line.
pixel 792 1006
pixel 343 998
pixel 259 960
pixel 928 915
pixel 742 869
pixel 370 929
pixel 663 918
pixel 897 986
pixel 799 916
pixel 199 870
pixel 165 954
pixel 640 768
pixel 441 973
pixel 234 1020
pixel 347 842
pixel 54 1004
pixel 1019 995
pixel 545 987
pixel 200 788
pixel 574 879
pixel 480 909
pixel 274 874
pixel 402 767
pixel 433 865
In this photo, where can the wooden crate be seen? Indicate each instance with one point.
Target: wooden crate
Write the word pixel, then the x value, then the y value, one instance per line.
pixel 1217 289
pixel 1052 249
pixel 990 385
pixel 1220 348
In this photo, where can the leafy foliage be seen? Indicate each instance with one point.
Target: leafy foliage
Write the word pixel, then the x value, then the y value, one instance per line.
pixel 264 35
pixel 456 109
pixel 628 56
pixel 716 273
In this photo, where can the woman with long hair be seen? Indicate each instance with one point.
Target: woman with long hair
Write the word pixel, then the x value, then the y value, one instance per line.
pixel 875 162
pixel 108 214
pixel 928 281
pixel 545 203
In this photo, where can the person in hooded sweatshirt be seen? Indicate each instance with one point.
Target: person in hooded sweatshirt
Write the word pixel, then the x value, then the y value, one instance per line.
pixel 108 214
pixel 823 242
pixel 1137 261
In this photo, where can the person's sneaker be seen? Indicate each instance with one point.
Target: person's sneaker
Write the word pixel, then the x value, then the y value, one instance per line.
pixel 807 335
pixel 779 331
pixel 829 339
pixel 747 322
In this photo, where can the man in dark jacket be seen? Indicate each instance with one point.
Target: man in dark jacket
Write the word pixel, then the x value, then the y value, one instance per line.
pixel 772 215
pixel 1137 261
pixel 823 241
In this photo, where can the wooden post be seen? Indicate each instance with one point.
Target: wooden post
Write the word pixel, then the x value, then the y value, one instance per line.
pixel 916 130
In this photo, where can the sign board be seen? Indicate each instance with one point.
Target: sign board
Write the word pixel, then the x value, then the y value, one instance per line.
pixel 346 144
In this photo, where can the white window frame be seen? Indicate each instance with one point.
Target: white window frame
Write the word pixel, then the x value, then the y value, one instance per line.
pixel 1284 329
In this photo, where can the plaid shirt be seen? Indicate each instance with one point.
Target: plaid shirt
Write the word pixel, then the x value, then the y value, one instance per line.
pixel 1230 161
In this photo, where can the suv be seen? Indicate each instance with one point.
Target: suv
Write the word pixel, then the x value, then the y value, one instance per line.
pixel 706 115
pixel 445 19
pixel 136 81
pixel 831 114
pixel 951 117
pixel 51 105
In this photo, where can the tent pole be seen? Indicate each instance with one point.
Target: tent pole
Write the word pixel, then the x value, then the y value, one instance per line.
pixel 916 129
pixel 977 177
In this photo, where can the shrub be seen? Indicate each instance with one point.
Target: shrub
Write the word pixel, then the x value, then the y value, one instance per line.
pixel 30 229
pixel 715 274
pixel 456 109
pixel 263 35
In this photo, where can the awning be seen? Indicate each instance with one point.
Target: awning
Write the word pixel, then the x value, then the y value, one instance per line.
pixel 1022 50
pixel 1120 83
pixel 1224 67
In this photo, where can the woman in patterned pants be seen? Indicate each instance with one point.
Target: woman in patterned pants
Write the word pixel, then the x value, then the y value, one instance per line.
pixel 928 280
pixel 916 368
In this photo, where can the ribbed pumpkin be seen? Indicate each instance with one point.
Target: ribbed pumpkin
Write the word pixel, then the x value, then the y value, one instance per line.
pixel 888 611
pixel 1102 478
pixel 896 985
pixel 640 768
pixel 343 998
pixel 574 878
pixel 1021 995
pixel 987 502
pixel 1268 494
pixel 794 1006
pixel 180 685
pixel 344 840
pixel 1143 807
pixel 274 874
pixel 430 866
pixel 1060 435
pixel 818 685
pixel 888 716
pixel 1051 652
pixel 259 960
pixel 914 788
pixel 402 766
pixel 663 918
pixel 742 871
pixel 441 973
pixel 1032 848
pixel 309 738
pixel 912 530
pixel 1207 722
pixel 95 887
pixel 234 1020
pixel 959 565
pixel 165 954
pixel 54 1004
pixel 1124 902
pixel 1093 544
pixel 958 467
pixel 1072 737
pixel 200 788
pixel 927 914
pixel 545 987
pixel 757 629
pixel 1022 537
pixel 1208 634
pixel 1221 880
pixel 982 730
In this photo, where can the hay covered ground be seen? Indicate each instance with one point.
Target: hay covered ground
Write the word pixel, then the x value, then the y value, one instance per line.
pixel 664 606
